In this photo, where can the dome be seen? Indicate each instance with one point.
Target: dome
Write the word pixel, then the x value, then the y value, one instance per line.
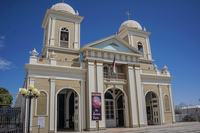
pixel 63 7
pixel 130 23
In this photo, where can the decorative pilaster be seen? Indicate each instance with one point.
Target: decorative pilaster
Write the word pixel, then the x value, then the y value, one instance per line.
pixel 140 97
pixel 91 88
pixel 100 90
pixel 76 36
pixel 132 43
pixel 148 48
pixel 52 103
pixel 172 103
pixel 132 97
pixel 161 105
pixel 83 104
pixel 48 33
pixel 52 31
pixel 144 105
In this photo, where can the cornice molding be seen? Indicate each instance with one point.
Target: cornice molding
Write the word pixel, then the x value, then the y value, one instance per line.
pixel 56 48
pixel 132 31
pixel 46 67
pixel 109 51
pixel 61 16
pixel 156 77
pixel 142 60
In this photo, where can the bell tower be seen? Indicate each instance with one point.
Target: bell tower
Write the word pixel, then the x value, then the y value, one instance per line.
pixel 61 32
pixel 131 31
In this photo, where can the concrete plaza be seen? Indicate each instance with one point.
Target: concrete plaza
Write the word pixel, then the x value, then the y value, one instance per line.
pixel 183 127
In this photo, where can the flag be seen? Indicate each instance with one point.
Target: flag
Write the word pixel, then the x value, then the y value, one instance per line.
pixel 113 65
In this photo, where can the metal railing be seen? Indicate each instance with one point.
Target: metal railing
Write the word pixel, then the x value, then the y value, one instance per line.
pixel 64 44
pixel 109 75
pixel 10 120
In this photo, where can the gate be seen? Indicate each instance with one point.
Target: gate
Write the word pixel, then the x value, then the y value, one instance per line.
pixel 11 120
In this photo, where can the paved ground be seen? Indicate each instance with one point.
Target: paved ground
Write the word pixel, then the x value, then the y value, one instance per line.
pixel 184 127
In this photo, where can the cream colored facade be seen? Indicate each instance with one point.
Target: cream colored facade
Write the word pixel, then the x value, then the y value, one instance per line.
pixel 138 94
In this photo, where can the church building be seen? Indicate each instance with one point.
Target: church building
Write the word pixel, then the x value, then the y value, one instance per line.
pixel 119 68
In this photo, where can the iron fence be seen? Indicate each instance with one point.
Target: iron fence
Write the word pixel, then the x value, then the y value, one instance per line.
pixel 11 120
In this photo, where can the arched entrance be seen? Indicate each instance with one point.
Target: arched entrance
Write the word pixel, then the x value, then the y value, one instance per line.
pixel 115 108
pixel 152 108
pixel 67 110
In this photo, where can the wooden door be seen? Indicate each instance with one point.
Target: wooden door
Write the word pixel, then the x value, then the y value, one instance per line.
pixel 156 117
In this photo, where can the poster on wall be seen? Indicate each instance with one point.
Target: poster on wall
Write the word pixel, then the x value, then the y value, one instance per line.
pixel 40 122
pixel 96 106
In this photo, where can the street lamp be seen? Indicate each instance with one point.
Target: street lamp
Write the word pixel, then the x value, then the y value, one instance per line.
pixel 30 94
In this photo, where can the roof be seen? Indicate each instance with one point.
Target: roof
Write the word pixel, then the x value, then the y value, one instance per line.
pixel 191 107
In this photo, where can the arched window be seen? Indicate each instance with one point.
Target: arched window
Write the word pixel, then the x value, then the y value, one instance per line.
pixel 64 37
pixel 140 47
pixel 108 96
pixel 166 100
pixel 41 104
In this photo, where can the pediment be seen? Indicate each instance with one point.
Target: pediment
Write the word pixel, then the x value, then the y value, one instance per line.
pixel 113 43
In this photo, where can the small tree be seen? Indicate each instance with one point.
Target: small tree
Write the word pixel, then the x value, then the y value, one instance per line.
pixel 5 97
pixel 178 111
pixel 188 118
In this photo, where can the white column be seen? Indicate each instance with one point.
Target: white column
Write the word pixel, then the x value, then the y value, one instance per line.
pixel 76 36
pixel 52 102
pixel 129 39
pixel 31 80
pixel 132 43
pixel 79 36
pixel 139 96
pixel 148 48
pixel 172 103
pixel 83 104
pixel 48 33
pixel 52 31
pixel 161 105
pixel 133 101
pixel 144 105
pixel 91 88
pixel 100 90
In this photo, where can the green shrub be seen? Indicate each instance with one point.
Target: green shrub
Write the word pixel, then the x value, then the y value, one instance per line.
pixel 188 118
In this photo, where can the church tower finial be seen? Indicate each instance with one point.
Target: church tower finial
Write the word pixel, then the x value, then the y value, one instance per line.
pixel 128 14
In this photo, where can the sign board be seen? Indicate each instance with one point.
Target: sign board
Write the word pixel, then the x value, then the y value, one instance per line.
pixel 41 122
pixel 96 106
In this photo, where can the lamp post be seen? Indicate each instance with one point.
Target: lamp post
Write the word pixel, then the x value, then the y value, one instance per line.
pixel 30 94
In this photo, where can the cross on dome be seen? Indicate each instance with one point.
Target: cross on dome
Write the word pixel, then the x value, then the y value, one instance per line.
pixel 128 14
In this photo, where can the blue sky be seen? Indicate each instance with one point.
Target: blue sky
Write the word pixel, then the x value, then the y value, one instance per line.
pixel 175 38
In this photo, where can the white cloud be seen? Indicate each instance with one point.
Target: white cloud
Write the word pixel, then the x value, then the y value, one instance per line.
pixel 2 41
pixel 4 64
